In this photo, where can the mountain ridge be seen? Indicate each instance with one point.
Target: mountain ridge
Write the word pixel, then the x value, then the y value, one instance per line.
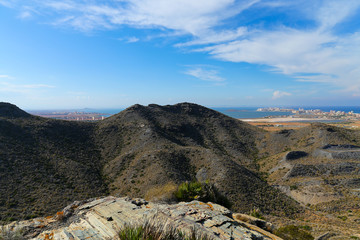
pixel 130 153
pixel 8 110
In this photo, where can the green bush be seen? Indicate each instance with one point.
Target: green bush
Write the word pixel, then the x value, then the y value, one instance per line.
pixel 205 192
pixel 256 213
pixel 306 227
pixel 189 191
pixel 344 218
pixel 292 232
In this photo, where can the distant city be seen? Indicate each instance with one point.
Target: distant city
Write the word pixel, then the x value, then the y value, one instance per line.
pixel 313 113
pixel 71 115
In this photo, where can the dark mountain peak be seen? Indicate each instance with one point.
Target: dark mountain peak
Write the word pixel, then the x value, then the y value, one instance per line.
pixel 9 110
pixel 135 107
pixel 192 109
pixel 189 109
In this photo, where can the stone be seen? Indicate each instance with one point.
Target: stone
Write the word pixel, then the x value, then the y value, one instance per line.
pixel 103 219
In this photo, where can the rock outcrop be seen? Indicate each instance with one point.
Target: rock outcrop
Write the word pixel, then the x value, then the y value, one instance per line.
pixel 103 219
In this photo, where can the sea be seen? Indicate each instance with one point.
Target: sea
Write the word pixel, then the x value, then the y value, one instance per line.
pixel 245 112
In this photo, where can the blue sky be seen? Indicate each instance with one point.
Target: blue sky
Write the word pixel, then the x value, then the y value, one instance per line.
pixel 115 53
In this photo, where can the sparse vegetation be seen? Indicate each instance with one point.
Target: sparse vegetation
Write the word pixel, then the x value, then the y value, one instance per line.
pixel 150 231
pixel 165 193
pixel 292 232
pixel 344 218
pixel 205 192
pixel 256 213
pixel 189 191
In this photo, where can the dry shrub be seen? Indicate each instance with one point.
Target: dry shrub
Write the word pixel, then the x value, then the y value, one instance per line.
pixel 159 231
pixel 164 193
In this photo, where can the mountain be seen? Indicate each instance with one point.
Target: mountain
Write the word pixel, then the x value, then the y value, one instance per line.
pixel 8 110
pixel 46 164
pixel 146 147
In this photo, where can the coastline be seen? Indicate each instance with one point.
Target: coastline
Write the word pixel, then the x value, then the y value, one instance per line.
pixel 285 119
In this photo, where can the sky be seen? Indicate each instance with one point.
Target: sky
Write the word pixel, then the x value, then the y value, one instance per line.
pixel 217 53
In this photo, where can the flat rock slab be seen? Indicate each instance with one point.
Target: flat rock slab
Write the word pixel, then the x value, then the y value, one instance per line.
pixel 104 218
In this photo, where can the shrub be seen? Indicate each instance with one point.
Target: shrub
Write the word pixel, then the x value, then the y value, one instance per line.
pixel 344 218
pixel 306 227
pixel 292 232
pixel 189 191
pixel 256 213
pixel 205 192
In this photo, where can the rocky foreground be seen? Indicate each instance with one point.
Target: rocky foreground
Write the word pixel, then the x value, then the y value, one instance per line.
pixel 103 219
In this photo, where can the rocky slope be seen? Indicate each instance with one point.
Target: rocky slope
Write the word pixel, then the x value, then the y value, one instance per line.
pixel 151 146
pixel 104 218
pixel 319 167
pixel 46 164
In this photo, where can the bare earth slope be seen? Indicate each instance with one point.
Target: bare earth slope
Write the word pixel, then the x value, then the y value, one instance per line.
pixel 318 166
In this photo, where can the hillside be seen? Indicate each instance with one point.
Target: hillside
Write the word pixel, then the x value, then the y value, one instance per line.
pixel 146 147
pixel 46 164
pixel 319 167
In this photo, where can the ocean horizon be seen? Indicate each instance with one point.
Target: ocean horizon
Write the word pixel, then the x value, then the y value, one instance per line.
pixel 239 112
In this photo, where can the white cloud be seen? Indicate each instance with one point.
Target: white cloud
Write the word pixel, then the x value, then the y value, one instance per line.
pixel 206 73
pixel 7 3
pixel 5 76
pixel 25 14
pixel 279 94
pixel 21 88
pixel 215 37
pixel 132 39
pixel 187 16
pixel 334 12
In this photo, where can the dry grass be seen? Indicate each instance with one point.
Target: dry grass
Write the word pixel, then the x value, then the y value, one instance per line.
pixel 159 231
pixel 163 193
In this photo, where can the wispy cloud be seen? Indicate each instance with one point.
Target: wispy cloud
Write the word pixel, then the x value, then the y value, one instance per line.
pixel 279 94
pixel 205 73
pixel 7 3
pixel 5 76
pixel 25 14
pixel 334 12
pixel 129 39
pixel 21 88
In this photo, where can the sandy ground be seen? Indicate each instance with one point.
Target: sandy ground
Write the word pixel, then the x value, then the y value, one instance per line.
pixel 284 119
pixel 276 124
